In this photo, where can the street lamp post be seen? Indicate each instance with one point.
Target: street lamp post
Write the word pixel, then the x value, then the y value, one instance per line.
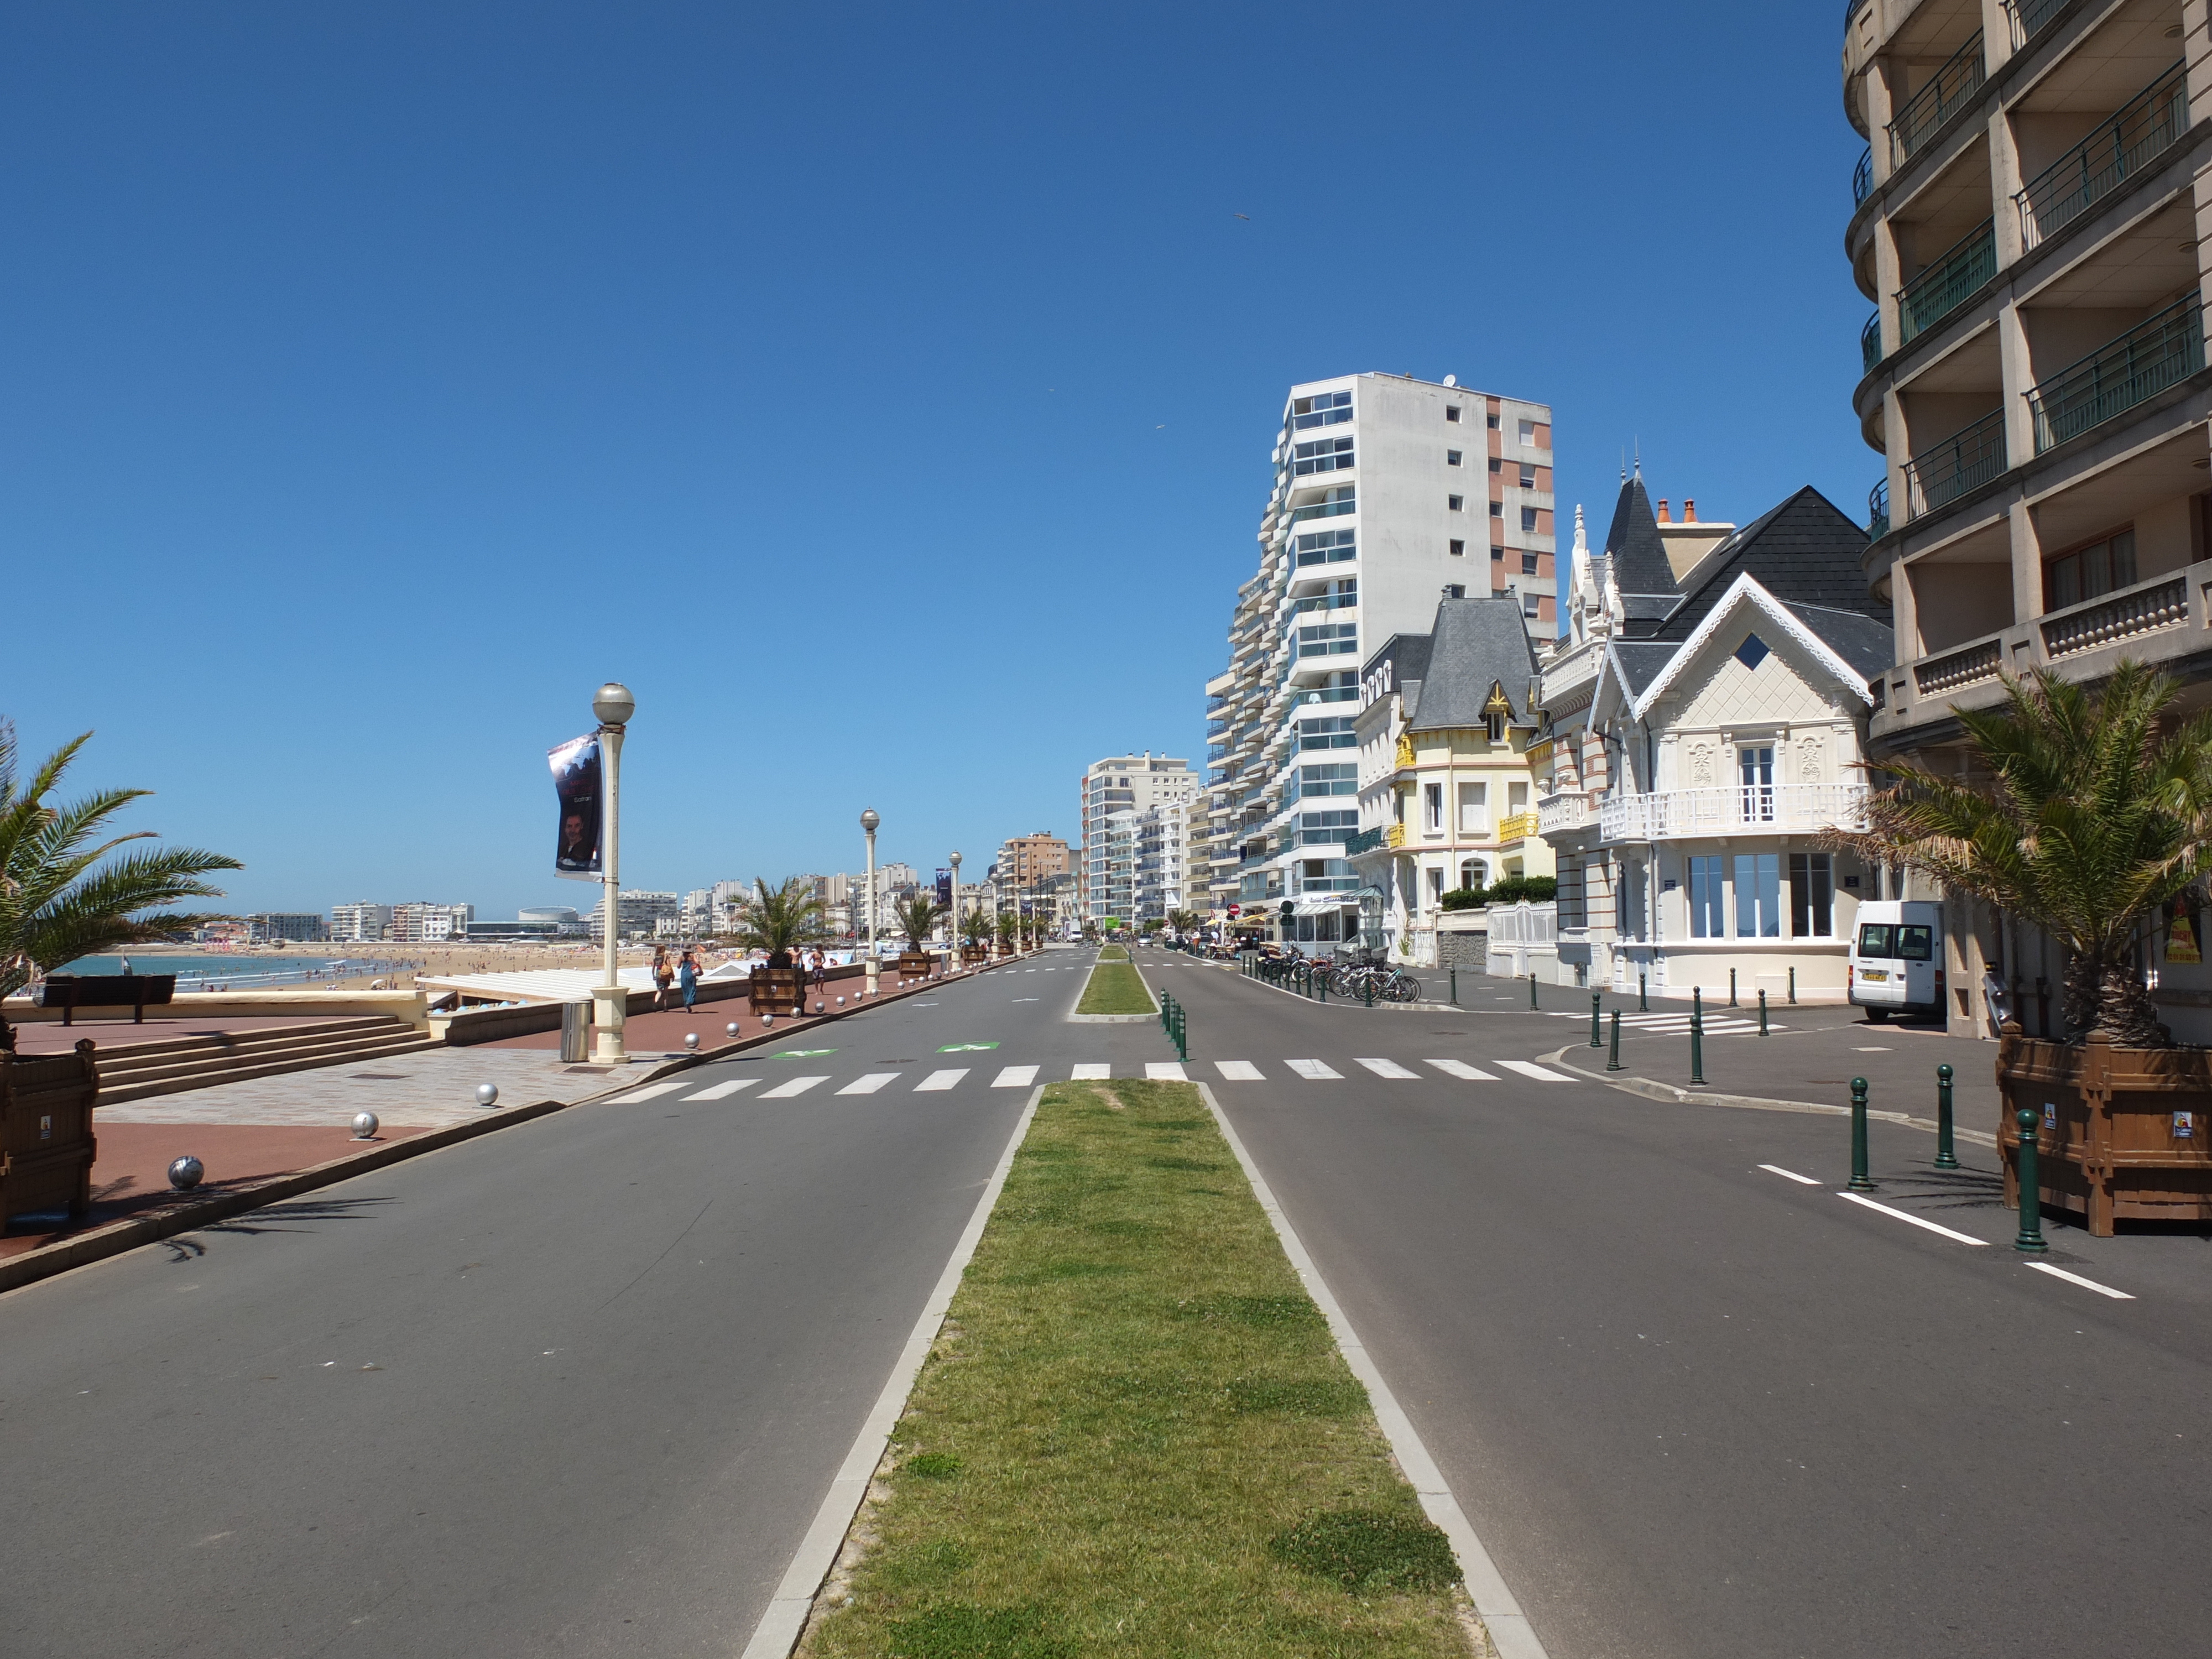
pixel 614 705
pixel 952 921
pixel 868 822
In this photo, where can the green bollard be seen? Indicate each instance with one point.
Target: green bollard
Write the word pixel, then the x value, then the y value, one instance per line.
pixel 1860 1182
pixel 1731 987
pixel 1594 1000
pixel 1697 1034
pixel 1613 1060
pixel 1321 987
pixel 1945 1158
pixel 1454 985
pixel 1367 989
pixel 1793 983
pixel 1642 1003
pixel 1762 1011
pixel 2028 1166
pixel 1532 991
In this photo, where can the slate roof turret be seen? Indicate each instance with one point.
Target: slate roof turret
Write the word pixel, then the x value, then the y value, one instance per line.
pixel 1475 647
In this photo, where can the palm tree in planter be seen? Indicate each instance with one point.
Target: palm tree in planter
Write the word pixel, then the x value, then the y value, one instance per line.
pixel 1007 925
pixel 2086 816
pixel 916 916
pixel 779 920
pixel 976 932
pixel 59 901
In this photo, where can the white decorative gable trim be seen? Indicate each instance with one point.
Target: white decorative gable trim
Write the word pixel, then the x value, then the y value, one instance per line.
pixel 1747 590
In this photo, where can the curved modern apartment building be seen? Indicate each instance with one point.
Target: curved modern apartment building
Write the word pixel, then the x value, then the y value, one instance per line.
pixel 2028 225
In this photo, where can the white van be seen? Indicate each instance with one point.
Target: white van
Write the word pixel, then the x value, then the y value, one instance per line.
pixel 1897 959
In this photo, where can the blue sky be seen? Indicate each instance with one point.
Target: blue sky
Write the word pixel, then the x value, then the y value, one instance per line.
pixel 885 393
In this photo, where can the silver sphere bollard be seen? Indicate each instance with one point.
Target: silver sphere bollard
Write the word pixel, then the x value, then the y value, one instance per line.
pixel 841 1002
pixel 818 1005
pixel 767 1020
pixel 185 1173
pixel 364 1126
pixel 691 1039
pixel 487 1093
pixel 731 1029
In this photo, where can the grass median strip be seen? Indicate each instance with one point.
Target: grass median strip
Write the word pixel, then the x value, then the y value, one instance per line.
pixel 1135 1433
pixel 1116 987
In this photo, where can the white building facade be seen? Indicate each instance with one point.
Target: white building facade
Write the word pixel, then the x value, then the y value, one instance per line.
pixel 1131 786
pixel 1389 493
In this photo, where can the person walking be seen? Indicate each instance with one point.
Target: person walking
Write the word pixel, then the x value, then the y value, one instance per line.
pixel 663 977
pixel 821 969
pixel 687 971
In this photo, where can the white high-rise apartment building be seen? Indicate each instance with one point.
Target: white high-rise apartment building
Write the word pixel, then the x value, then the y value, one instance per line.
pixel 1124 783
pixel 353 923
pixel 1376 514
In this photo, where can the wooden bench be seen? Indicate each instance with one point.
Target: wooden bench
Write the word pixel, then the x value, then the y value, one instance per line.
pixel 70 992
pixel 45 1132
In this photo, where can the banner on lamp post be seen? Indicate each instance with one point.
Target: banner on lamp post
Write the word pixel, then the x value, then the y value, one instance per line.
pixel 576 781
pixel 944 889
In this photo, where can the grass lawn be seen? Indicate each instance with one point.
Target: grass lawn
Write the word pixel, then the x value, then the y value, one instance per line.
pixel 1135 1435
pixel 1112 953
pixel 1116 987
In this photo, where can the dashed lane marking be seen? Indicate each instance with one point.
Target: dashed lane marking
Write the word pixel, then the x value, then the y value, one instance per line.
pixel 1092 1071
pixel 868 1084
pixel 1389 1068
pixel 1459 1068
pixel 798 1085
pixel 1164 1071
pixel 1238 1071
pixel 1542 1074
pixel 937 1080
pixel 651 1091
pixel 1917 1221
pixel 724 1090
pixel 2076 1279
pixel 1015 1077
pixel 1790 1175
pixel 1312 1070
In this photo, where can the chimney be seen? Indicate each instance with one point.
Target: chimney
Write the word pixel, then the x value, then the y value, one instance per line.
pixel 1689 511
pixel 1662 510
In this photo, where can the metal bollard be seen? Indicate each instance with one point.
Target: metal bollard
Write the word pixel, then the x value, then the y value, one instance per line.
pixel 1367 989
pixel 1454 985
pixel 1946 1158
pixel 1321 987
pixel 1860 1182
pixel 1762 1011
pixel 1731 987
pixel 1595 1042
pixel 1613 1060
pixel 1643 1006
pixel 1532 992
pixel 2027 1165
pixel 1793 981
pixel 1697 1034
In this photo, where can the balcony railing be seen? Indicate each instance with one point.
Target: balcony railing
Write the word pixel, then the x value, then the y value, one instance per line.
pixel 1878 511
pixel 1965 461
pixel 1777 809
pixel 1516 826
pixel 1870 341
pixel 1863 176
pixel 1946 285
pixel 2143 609
pixel 2028 17
pixel 2142 362
pixel 1928 109
pixel 1323 510
pixel 1568 809
pixel 1366 842
pixel 2132 143
pixel 1968 666
pixel 1325 602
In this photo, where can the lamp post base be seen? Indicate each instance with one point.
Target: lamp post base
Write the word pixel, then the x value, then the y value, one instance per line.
pixel 609 1004
pixel 871 976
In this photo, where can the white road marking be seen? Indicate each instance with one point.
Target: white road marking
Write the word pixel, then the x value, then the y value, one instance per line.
pixel 1389 1068
pixel 1790 1175
pixel 1312 1069
pixel 650 1092
pixel 939 1080
pixel 1459 1068
pixel 1015 1077
pixel 1091 1071
pixel 1527 1069
pixel 2076 1279
pixel 868 1084
pixel 1026 998
pixel 798 1085
pixel 1239 1071
pixel 1917 1221
pixel 1164 1071
pixel 724 1090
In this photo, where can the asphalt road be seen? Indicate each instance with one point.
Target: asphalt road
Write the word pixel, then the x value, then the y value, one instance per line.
pixel 576 1388
pixel 1698 1408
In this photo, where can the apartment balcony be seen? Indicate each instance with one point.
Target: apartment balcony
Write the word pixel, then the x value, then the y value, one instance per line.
pixel 1870 343
pixel 2028 16
pixel 1568 811
pixel 1956 275
pixel 1771 810
pixel 1924 114
pixel 2134 142
pixel 1366 841
pixel 1862 177
pixel 2157 353
pixel 2162 620
pixel 1965 461
pixel 1878 511
pixel 1516 828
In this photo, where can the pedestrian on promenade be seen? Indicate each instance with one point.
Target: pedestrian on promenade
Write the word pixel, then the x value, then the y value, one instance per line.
pixel 663 977
pixel 687 971
pixel 821 969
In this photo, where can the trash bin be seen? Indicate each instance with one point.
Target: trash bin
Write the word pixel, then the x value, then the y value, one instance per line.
pixel 576 1032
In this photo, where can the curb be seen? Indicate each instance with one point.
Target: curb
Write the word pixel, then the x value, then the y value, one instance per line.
pixel 1650 1089
pixel 151 1227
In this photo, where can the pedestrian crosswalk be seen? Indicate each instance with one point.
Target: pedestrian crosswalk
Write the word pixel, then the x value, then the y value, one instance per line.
pixel 1361 1069
pixel 1672 1023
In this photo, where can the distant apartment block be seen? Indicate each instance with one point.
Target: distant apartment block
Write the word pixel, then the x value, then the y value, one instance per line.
pixel 360 923
pixel 1124 785
pixel 1375 516
pixel 422 923
pixel 271 926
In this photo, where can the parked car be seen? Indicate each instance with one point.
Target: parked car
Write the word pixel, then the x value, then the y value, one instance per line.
pixel 1896 966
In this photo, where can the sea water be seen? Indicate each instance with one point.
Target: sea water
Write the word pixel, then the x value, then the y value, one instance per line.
pixel 239 973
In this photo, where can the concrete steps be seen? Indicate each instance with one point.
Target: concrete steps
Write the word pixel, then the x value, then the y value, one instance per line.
pixel 136 1070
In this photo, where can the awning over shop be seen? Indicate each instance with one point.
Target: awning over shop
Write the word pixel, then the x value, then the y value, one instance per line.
pixel 1325 903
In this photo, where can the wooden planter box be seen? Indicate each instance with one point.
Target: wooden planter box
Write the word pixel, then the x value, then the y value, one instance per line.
pixel 915 964
pixel 970 954
pixel 778 990
pixel 1006 949
pixel 2125 1131
pixel 45 1132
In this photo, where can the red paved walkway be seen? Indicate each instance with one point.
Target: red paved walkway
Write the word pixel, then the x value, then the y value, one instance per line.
pixel 663 1033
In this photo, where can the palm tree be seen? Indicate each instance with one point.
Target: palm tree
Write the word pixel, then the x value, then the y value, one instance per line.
pixel 975 927
pixel 2090 813
pixel 1006 927
pixel 780 919
pixel 916 916
pixel 54 906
